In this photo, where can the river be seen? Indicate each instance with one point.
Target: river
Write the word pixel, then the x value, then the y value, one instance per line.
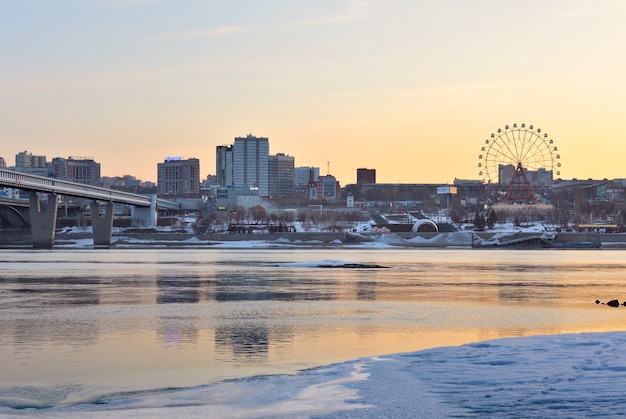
pixel 80 324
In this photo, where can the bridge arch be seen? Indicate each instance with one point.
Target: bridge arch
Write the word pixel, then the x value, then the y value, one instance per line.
pixel 12 218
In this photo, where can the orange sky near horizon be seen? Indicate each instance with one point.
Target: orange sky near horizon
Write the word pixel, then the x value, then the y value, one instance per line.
pixel 409 88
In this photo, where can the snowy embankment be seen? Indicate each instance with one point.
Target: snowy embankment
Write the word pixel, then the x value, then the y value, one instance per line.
pixel 167 236
pixel 576 375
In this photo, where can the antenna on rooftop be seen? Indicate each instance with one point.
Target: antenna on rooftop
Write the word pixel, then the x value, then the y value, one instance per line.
pixel 328 168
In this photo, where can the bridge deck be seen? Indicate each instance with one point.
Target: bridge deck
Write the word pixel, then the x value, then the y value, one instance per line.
pixel 25 181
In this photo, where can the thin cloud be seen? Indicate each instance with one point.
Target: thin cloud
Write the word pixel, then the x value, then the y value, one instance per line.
pixel 201 33
pixel 99 80
pixel 596 12
pixel 356 11
pixel 450 90
pixel 135 3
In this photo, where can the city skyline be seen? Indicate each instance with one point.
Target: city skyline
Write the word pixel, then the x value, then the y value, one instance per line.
pixel 409 88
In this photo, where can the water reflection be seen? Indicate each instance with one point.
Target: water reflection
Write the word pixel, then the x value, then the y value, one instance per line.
pixel 173 288
pixel 30 332
pixel 176 332
pixel 255 283
pixel 218 310
pixel 270 285
pixel 246 343
pixel 240 287
pixel 30 315
pixel 58 291
pixel 366 290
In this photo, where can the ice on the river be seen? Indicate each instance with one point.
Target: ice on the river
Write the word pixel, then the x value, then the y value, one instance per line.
pixel 575 375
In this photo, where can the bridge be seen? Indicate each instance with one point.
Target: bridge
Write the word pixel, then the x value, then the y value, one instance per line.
pixel 43 213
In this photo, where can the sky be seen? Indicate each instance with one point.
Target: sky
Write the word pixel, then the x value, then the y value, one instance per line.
pixel 575 375
pixel 410 88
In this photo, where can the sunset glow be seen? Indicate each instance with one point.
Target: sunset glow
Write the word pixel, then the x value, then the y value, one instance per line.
pixel 410 88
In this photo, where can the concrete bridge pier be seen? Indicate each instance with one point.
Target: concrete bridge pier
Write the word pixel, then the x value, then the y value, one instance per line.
pixel 102 224
pixel 43 219
pixel 145 216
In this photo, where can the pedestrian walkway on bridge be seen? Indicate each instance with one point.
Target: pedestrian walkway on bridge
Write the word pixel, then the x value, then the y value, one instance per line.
pixel 43 213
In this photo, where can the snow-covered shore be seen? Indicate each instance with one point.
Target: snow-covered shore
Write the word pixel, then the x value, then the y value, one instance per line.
pixel 573 375
pixel 82 237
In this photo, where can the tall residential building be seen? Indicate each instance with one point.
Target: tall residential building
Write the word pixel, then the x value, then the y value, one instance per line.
pixel 365 176
pixel 224 165
pixel 330 187
pixel 76 169
pixel 178 178
pixel 304 175
pixel 26 160
pixel 250 163
pixel 324 188
pixel 281 173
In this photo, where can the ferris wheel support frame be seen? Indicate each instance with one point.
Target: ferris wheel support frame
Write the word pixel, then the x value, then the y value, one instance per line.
pixel 520 190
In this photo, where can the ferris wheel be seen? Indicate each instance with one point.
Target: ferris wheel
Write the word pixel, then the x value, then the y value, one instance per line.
pixel 514 154
pixel 515 145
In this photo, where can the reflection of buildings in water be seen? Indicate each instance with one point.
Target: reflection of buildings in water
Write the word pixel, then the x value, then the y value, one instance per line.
pixel 247 343
pixel 60 292
pixel 513 292
pixel 285 287
pixel 42 331
pixel 366 290
pixel 245 335
pixel 176 289
pixel 235 287
pixel 129 289
pixel 174 332
pixel 57 293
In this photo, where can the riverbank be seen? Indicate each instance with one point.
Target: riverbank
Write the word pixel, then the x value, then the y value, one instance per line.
pixel 82 237
pixel 461 239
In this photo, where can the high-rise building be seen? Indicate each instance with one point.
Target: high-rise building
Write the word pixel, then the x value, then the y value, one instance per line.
pixel 224 165
pixel 324 188
pixel 365 176
pixel 26 160
pixel 178 178
pixel 76 169
pixel 281 174
pixel 330 187
pixel 250 164
pixel 3 163
pixel 304 175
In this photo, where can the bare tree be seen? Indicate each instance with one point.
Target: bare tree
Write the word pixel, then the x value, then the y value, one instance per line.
pixel 258 213
pixel 238 213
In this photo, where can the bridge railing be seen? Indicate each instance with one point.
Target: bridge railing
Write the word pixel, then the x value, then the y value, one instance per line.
pixel 168 205
pixel 19 180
